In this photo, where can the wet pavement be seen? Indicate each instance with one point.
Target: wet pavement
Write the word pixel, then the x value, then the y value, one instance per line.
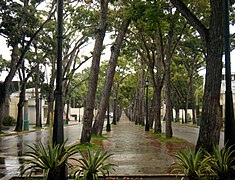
pixel 13 146
pixel 137 152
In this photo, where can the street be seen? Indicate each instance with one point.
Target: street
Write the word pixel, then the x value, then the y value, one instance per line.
pixel 13 147
pixel 189 133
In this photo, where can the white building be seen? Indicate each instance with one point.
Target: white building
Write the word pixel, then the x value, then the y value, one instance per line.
pixel 30 97
pixel 222 92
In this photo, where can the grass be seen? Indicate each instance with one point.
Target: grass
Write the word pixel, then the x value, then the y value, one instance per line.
pixel 84 147
pixel 99 138
pixel 161 137
pixel 93 146
pixel 173 139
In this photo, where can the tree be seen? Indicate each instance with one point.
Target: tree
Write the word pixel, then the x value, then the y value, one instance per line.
pixel 115 50
pixel 212 36
pixel 20 27
pixel 94 71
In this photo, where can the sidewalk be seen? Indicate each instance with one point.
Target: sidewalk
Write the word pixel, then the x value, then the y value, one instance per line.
pixel 137 152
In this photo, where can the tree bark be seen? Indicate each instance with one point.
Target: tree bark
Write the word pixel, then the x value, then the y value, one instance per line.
pixel 177 114
pixel 152 112
pixel 51 94
pixel 19 122
pixel 93 80
pixel 213 38
pixel 115 50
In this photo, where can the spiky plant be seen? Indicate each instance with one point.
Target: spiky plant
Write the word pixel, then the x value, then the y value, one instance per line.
pixel 91 164
pixel 192 164
pixel 222 161
pixel 48 160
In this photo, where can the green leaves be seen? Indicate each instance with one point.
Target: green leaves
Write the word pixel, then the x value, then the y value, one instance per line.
pixel 192 164
pixel 201 163
pixel 222 161
pixel 48 160
pixel 91 164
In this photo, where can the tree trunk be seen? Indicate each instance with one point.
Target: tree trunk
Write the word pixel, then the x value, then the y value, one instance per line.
pixel 93 80
pixel 177 114
pixel 115 50
pixel 168 60
pixel 158 126
pixel 168 105
pixel 4 87
pixel 193 101
pixel 186 113
pixel 208 134
pixel 213 38
pixel 51 95
pixel 153 109
pixel 19 122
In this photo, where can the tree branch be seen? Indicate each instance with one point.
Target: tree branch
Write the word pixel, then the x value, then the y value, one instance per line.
pixel 191 18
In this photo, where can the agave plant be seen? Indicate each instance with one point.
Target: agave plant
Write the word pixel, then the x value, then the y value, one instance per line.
pixel 48 160
pixel 91 164
pixel 192 164
pixel 222 161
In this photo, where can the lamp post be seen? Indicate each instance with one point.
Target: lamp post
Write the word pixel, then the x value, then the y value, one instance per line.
pixel 58 126
pixel 229 131
pixel 147 114
pixel 79 115
pixel 108 127
pixel 132 112
pixel 136 112
pixel 40 111
pixel 114 112
pixel 26 115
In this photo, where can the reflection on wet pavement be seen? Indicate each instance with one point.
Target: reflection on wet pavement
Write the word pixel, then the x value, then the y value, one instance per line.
pixel 14 147
pixel 134 150
pixel 137 152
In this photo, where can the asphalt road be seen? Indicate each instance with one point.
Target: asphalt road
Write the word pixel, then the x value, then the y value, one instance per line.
pixel 12 148
pixel 189 133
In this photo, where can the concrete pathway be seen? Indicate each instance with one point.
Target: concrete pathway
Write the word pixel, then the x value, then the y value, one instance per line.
pixel 137 152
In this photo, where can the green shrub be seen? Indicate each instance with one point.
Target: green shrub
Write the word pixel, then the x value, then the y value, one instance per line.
pixel 48 160
pixel 222 162
pixel 9 121
pixel 91 164
pixel 192 164
pixel 219 164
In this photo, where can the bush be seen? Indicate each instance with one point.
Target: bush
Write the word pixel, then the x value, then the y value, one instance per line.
pixel 91 164
pixel 201 164
pixel 9 121
pixel 192 164
pixel 48 159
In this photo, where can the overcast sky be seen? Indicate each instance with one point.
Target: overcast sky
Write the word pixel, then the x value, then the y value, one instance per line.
pixel 5 52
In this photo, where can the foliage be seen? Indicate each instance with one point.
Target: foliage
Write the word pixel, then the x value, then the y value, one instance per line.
pixel 222 161
pixel 98 138
pixel 91 164
pixel 200 164
pixel 192 164
pixel 86 146
pixel 49 160
pixel 9 121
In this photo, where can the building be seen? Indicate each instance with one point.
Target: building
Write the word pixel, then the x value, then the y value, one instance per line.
pixel 222 92
pixel 30 99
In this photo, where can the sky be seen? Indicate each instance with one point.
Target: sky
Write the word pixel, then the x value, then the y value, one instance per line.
pixel 5 52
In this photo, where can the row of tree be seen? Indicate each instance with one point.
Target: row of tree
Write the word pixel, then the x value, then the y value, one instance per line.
pixel 166 42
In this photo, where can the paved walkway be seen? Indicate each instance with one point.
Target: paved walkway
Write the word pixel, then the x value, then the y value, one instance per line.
pixel 137 152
